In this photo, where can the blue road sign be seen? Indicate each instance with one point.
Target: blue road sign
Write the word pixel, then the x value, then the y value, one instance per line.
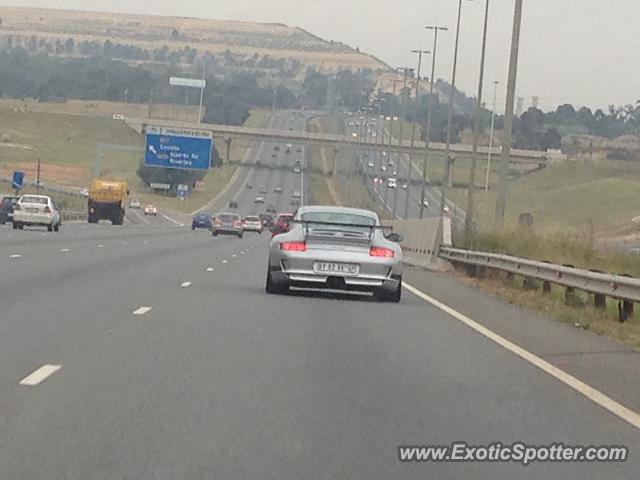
pixel 180 148
pixel 18 180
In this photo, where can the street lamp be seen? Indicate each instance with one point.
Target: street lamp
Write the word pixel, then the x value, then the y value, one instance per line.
pixel 468 222
pixel 447 174
pixel 493 122
pixel 413 130
pixel 507 129
pixel 435 29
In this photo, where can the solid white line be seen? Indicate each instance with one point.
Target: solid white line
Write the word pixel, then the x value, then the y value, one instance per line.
pixel 39 375
pixel 172 220
pixel 588 391
pixel 142 310
pixel 15 255
pixel 185 284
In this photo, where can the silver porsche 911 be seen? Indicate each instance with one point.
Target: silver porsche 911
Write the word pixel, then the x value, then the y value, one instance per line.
pixel 336 248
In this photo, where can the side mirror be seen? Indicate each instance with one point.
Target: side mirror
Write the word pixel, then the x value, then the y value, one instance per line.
pixel 395 237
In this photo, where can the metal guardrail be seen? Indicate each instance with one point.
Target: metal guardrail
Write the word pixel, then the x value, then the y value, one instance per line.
pixel 602 285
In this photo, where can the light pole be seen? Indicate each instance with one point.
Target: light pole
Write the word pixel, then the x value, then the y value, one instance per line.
pixel 468 222
pixel 501 196
pixel 413 130
pixel 435 29
pixel 493 123
pixel 403 114
pixel 447 152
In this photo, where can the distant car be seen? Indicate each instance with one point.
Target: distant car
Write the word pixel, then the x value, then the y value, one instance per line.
pixel 370 165
pixel 277 190
pixel 298 150
pixel 259 200
pixel 297 170
pixel 249 186
pixel 6 208
pixel 426 203
pixel 36 210
pixel 273 155
pixel 276 148
pixel 281 224
pixel 252 223
pixel 84 192
pixel 201 220
pixel 266 219
pixel 288 148
pixel 227 224
pixel 295 201
pixel 150 210
pixel 233 204
pixel 134 203
pixel 311 254
pixel 447 209
pixel 263 189
pixel 271 209
pixel 383 168
pixel 405 186
pixel 296 194
pixel 390 163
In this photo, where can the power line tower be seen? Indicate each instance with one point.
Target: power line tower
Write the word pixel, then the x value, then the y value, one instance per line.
pixel 519 106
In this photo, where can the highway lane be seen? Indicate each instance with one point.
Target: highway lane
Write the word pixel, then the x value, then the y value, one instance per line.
pixel 220 380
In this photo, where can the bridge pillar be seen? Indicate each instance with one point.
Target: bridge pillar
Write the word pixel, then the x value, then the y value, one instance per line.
pixel 227 141
pixel 452 164
pixel 336 157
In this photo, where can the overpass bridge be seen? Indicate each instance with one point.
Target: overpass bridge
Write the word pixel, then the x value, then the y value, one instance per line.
pixel 228 132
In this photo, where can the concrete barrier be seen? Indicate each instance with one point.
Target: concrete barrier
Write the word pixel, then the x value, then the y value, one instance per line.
pixel 421 241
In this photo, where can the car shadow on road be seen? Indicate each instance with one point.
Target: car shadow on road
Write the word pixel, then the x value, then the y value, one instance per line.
pixel 324 294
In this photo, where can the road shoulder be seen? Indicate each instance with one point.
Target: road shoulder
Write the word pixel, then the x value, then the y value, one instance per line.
pixel 603 363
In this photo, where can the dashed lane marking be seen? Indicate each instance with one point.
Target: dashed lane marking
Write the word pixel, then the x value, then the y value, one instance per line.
pixel 185 284
pixel 15 255
pixel 142 310
pixel 40 375
pixel 209 269
pixel 64 249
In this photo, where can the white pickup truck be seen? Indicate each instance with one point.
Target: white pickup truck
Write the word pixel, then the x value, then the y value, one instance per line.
pixel 36 210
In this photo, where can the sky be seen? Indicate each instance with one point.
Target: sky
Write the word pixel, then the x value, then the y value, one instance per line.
pixel 583 52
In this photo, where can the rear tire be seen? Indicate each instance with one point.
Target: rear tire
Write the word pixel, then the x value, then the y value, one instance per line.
pixel 56 227
pixel 15 225
pixel 50 227
pixel 240 235
pixel 274 288
pixel 215 234
pixel 392 297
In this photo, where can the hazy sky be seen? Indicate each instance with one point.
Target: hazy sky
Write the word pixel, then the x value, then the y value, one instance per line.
pixel 577 51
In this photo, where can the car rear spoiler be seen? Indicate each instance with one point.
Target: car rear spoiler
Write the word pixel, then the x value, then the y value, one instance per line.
pixel 337 224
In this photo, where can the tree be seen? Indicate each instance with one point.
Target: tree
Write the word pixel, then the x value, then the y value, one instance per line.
pixel 315 87
pixel 69 46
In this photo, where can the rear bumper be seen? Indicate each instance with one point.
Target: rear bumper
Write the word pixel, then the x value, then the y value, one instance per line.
pixel 33 219
pixel 310 280
pixel 226 231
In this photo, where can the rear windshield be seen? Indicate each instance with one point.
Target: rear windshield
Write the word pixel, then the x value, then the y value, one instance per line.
pixel 252 219
pixel 338 217
pixel 30 199
pixel 227 218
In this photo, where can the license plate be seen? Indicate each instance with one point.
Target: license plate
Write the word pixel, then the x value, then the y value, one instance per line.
pixel 333 267
pixel 32 210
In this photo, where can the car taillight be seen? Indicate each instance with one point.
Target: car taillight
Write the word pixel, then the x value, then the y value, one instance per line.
pixel 47 210
pixel 381 252
pixel 293 246
pixel 238 223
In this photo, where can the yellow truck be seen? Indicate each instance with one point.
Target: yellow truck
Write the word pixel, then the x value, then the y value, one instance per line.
pixel 107 199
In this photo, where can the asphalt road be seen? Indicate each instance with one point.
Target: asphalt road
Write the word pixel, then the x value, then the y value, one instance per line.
pixel 214 379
